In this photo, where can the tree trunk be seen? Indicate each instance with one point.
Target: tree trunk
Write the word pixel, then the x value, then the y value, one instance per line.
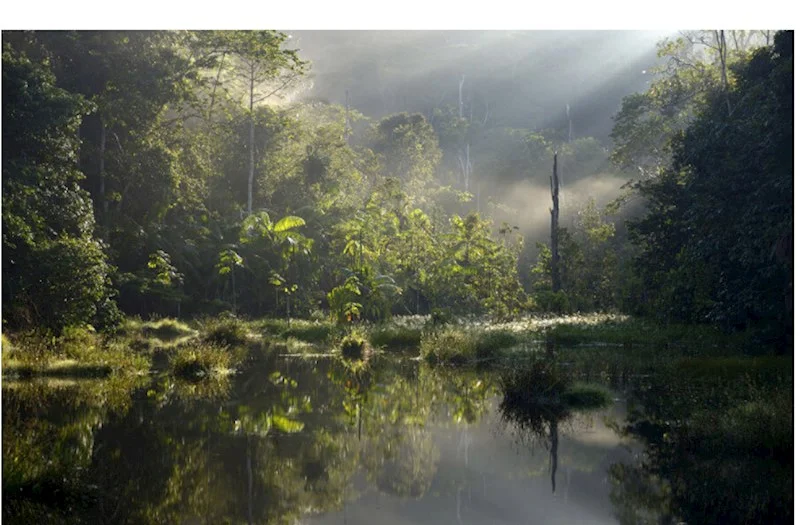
pixel 347 131
pixel 216 83
pixel 233 286
pixel 553 451
pixel 251 145
pixel 723 57
pixel 103 168
pixel 460 99
pixel 569 122
pixel 556 259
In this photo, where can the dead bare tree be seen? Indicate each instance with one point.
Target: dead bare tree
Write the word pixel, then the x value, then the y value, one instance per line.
pixel 556 260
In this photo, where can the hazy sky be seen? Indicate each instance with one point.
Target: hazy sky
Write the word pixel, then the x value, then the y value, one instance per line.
pixel 521 78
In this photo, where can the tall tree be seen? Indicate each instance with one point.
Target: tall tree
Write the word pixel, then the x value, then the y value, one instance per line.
pixel 719 216
pixel 55 272
pixel 259 68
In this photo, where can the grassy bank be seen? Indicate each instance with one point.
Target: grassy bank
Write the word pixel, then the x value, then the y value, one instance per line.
pixel 137 345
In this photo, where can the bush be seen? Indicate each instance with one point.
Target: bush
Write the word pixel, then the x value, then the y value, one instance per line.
pixel 549 301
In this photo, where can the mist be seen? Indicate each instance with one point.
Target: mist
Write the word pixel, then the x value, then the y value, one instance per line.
pixel 564 84
pixel 525 77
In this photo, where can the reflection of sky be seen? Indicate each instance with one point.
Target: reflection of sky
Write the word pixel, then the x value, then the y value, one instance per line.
pixel 488 473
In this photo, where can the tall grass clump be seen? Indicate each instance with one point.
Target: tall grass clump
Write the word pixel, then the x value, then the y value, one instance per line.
pixel 200 360
pixel 224 331
pixel 78 352
pixel 448 345
pixel 166 329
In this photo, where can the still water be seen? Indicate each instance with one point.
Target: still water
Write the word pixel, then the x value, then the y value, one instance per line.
pixel 325 441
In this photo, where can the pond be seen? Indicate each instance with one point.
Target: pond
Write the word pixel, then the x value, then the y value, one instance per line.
pixel 324 440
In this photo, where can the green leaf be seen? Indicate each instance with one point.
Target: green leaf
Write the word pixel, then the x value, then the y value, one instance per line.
pixel 289 222
pixel 287 425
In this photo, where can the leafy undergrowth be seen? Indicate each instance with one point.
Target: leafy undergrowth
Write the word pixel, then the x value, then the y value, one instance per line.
pixel 618 329
pixel 624 330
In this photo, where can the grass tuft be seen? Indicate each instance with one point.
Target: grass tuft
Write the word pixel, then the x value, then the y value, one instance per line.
pixel 224 332
pixel 200 360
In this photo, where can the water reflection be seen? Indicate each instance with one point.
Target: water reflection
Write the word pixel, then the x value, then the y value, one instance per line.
pixel 328 441
pixel 718 444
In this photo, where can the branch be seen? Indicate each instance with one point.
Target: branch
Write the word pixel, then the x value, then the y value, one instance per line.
pixel 279 88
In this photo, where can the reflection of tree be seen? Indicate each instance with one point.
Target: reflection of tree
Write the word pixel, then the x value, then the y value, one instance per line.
pixel 409 465
pixel 638 498
pixel 398 452
pixel 718 450
pixel 537 404
pixel 48 441
pixel 267 446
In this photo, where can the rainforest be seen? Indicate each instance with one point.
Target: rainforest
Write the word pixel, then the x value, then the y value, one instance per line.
pixel 397 276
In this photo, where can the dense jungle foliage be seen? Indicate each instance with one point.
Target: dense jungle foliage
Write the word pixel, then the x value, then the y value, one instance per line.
pixel 172 174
